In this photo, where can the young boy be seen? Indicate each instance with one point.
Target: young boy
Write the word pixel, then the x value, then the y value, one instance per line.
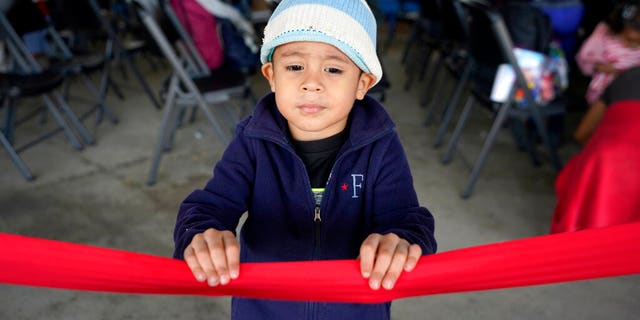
pixel 318 166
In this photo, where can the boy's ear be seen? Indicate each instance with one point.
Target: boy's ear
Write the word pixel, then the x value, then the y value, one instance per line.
pixel 267 72
pixel 365 83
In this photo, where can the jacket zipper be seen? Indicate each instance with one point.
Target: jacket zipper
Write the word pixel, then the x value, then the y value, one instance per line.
pixel 318 194
pixel 317 217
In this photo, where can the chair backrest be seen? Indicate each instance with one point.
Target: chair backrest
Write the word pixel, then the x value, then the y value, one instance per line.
pixel 490 45
pixel 430 9
pixel 452 20
pixel 528 25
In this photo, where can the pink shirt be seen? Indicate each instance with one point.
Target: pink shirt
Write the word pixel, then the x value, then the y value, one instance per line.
pixel 604 47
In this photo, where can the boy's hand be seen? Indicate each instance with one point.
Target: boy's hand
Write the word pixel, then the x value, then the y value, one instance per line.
pixel 214 256
pixel 384 257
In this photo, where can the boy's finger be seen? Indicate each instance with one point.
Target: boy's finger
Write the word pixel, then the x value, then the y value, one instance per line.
pixel 218 256
pixel 415 252
pixel 368 251
pixel 203 256
pixel 192 262
pixel 384 256
pixel 232 249
pixel 395 269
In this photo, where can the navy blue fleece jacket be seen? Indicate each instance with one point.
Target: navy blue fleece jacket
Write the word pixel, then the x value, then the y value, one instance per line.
pixel 370 190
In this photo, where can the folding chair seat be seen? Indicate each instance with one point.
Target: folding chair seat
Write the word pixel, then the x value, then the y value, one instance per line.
pixel 188 89
pixel 60 58
pixel 490 45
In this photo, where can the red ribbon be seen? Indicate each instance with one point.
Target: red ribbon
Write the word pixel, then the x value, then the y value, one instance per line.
pixel 589 254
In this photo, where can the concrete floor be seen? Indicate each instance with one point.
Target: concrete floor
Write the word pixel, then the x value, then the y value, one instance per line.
pixel 98 197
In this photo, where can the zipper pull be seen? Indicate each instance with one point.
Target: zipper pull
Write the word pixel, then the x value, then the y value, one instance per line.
pixel 316 216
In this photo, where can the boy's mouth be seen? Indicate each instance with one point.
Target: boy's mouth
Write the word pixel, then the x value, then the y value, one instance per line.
pixel 310 108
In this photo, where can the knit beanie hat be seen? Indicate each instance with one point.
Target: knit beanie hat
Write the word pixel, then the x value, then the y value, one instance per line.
pixel 348 25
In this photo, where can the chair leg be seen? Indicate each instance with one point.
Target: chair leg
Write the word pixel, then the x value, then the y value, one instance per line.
pixel 432 80
pixel 464 115
pixel 99 94
pixel 486 147
pixel 9 119
pixel 62 123
pixel 530 141
pixel 452 106
pixel 178 119
pixel 142 82
pixel 412 37
pixel 22 167
pixel 115 87
pixel 163 134
pixel 84 133
pixel 435 99
pixel 425 60
pixel 214 122
pixel 542 131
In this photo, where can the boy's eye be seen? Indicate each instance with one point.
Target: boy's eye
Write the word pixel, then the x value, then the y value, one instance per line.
pixel 294 68
pixel 333 70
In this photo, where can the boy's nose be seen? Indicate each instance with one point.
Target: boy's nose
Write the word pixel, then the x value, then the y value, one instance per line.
pixel 312 84
pixel 311 88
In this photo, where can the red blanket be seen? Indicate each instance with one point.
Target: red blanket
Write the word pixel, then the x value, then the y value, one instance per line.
pixel 600 186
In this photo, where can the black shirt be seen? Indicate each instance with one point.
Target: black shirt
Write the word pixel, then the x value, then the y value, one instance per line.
pixel 319 155
pixel 626 86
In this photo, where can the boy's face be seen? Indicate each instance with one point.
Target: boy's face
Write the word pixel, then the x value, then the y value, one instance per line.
pixel 315 85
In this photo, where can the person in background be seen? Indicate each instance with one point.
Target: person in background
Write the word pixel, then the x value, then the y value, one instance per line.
pixel 318 167
pixel 626 87
pixel 599 186
pixel 613 47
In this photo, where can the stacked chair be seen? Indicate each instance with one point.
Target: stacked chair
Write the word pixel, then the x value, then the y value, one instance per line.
pixel 120 50
pixel 27 78
pixel 486 43
pixel 191 85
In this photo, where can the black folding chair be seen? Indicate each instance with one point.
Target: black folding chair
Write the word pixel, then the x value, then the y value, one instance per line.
pixel 188 89
pixel 452 58
pixel 15 86
pixel 121 51
pixel 425 39
pixel 490 45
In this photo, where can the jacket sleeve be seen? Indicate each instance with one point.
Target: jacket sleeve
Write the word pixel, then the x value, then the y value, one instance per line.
pixel 396 205
pixel 223 200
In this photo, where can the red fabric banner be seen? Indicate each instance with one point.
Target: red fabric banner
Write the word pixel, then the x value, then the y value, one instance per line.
pixel 588 254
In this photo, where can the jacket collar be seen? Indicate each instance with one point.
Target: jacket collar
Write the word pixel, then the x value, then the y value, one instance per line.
pixel 369 121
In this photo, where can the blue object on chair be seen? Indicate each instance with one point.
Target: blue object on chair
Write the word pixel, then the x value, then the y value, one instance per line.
pixel 566 17
pixel 394 9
